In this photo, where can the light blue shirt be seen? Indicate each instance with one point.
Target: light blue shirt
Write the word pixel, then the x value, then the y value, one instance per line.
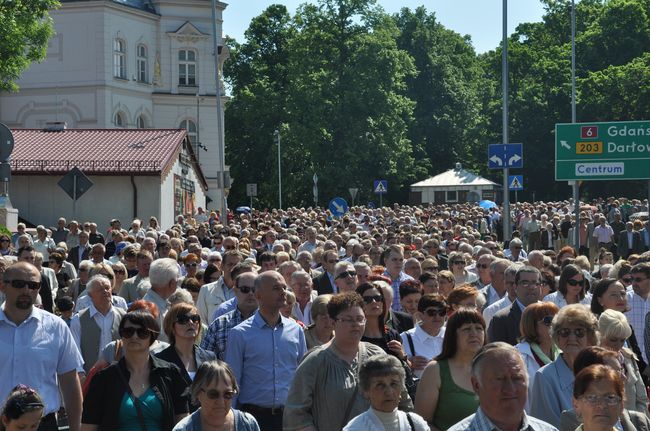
pixel 34 353
pixel 552 392
pixel 401 278
pixel 264 359
pixel 224 308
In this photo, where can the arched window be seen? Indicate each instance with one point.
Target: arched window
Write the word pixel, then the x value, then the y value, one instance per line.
pixel 190 126
pixel 119 58
pixel 119 120
pixel 141 122
pixel 187 68
pixel 142 63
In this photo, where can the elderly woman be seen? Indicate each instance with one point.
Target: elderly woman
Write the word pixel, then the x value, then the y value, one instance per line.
pixel 140 388
pixel 573 328
pixel 446 282
pixel 598 395
pixel 570 289
pixel 23 410
pixel 213 389
pixel 536 346
pixel 324 394
pixel 381 379
pixel 321 330
pixel 462 296
pixel 182 325
pixel 445 394
pixel 457 264
pixel 614 331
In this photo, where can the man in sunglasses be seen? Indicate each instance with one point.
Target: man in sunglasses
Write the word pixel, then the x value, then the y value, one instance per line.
pixel 38 348
pixel 96 326
pixel 345 277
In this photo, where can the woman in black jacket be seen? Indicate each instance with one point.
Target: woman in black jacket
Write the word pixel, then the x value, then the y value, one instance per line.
pixel 140 388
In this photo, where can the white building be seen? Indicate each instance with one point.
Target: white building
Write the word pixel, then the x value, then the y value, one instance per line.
pixel 128 64
pixel 134 174
pixel 453 186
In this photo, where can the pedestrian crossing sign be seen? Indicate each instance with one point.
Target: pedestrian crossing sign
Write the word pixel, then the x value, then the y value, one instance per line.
pixel 515 182
pixel 380 187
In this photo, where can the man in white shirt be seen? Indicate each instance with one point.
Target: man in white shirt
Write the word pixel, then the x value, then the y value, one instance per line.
pixel 301 285
pixel 508 298
pixel 604 234
pixel 96 326
pixel 214 294
pixel 163 277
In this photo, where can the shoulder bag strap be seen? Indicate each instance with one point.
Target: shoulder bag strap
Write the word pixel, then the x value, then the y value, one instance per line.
pixel 411 424
pixel 410 341
pixel 136 401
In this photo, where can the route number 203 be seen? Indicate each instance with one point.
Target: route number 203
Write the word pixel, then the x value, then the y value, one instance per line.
pixel 589 147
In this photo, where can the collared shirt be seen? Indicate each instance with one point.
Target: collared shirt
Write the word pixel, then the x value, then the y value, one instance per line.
pixel 211 296
pixel 335 288
pixel 303 316
pixel 639 307
pixel 34 353
pixel 105 323
pixel 84 301
pixel 428 346
pixel 44 247
pixel 216 338
pixel 558 299
pixel 552 391
pixel 225 307
pixel 264 359
pixel 490 311
pixel 480 422
pixel 491 295
pixel 603 233
pixel 401 278
pixel 163 306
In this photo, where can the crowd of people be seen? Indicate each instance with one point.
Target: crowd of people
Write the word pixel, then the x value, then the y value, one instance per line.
pixel 397 318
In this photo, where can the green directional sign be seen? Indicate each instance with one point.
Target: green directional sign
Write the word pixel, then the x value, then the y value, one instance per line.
pixel 602 151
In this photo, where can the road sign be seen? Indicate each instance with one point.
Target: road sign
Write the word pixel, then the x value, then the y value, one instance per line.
pixel 251 190
pixel 75 183
pixel 515 182
pixel 6 142
pixel 338 207
pixel 380 187
pixel 501 156
pixel 372 205
pixel 353 192
pixel 602 151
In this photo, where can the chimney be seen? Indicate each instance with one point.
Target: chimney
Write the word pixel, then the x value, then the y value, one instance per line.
pixel 55 126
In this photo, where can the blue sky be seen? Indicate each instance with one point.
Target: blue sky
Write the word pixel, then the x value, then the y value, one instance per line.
pixel 481 19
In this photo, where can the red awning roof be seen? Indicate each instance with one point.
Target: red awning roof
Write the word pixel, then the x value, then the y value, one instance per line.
pixel 96 151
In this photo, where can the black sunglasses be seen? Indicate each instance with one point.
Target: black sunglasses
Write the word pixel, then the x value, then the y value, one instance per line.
pixel 185 318
pixel 193 265
pixel 245 289
pixel 143 333
pixel 547 320
pixel 575 282
pixel 20 284
pixel 214 394
pixel 431 312
pixel 346 274
pixel 373 298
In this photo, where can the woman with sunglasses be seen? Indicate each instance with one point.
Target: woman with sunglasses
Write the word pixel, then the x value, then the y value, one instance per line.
pixel 457 264
pixel 120 275
pixel 5 246
pixel 182 324
pixel 140 388
pixel 573 329
pixel 571 288
pixel 424 341
pixel 23 410
pixel 536 345
pixel 212 390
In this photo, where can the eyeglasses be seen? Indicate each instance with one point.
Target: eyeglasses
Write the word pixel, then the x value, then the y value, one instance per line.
pixel 639 279
pixel 527 283
pixel 627 280
pixel 458 262
pixel 183 319
pixel 193 265
pixel 578 332
pixel 483 265
pixel 432 312
pixel 357 321
pixel 119 271
pixel 595 400
pixel 572 282
pixel 373 298
pixel 245 289
pixel 547 320
pixel 346 274
pixel 143 333
pixel 332 261
pixel 20 284
pixel 109 276
pixel 4 240
pixel 214 394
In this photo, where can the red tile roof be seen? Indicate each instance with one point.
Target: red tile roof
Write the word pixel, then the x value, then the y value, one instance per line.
pixel 96 151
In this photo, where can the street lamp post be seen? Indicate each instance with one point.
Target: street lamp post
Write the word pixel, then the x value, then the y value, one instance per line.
pixel 504 86
pixel 221 176
pixel 276 134
pixel 576 185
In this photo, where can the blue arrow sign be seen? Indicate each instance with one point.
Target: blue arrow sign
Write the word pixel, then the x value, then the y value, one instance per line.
pixel 338 207
pixel 380 187
pixel 501 156
pixel 515 182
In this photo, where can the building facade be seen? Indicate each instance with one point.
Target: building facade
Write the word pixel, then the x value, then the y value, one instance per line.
pixel 134 64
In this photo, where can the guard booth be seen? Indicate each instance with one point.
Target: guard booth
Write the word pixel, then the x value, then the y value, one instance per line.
pixel 453 186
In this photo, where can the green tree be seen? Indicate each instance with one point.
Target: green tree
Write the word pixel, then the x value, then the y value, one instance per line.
pixel 26 28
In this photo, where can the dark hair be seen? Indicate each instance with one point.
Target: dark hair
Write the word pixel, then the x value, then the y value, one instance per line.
pixel 144 319
pixel 568 272
pixel 409 287
pixel 531 315
pixel 426 276
pixel 432 300
pixel 362 288
pixel 591 355
pixel 268 256
pixel 596 373
pixel 549 278
pixel 191 284
pixel 462 316
pixel 343 301
pixel 641 268
pixel 28 248
pixel 599 291
pixel 22 399
pixel 209 270
pixel 64 303
pixel 241 268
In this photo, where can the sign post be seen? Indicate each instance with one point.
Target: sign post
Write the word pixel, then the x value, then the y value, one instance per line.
pixel 505 156
pixel 251 191
pixel 75 183
pixel 380 187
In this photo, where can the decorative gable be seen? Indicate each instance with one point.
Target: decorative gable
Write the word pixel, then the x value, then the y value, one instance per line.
pixel 188 33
